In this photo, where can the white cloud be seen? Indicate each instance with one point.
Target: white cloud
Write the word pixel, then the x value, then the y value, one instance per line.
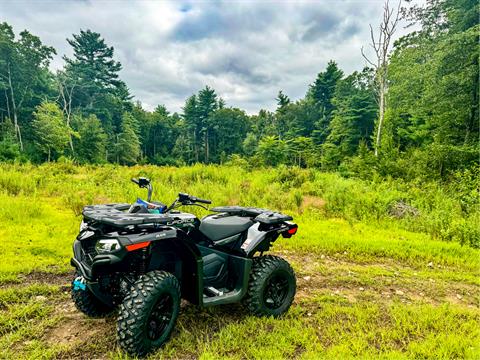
pixel 246 50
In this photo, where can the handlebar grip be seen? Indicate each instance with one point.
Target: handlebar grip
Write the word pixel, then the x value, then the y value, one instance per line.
pixel 203 201
pixel 135 181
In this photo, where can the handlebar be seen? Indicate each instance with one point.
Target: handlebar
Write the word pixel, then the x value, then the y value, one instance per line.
pixel 183 199
pixel 203 201
pixel 144 183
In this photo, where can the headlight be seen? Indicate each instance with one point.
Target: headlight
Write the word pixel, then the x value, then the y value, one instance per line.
pixel 107 245
pixel 83 226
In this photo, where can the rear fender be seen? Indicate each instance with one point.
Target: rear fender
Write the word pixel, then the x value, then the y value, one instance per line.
pixel 258 240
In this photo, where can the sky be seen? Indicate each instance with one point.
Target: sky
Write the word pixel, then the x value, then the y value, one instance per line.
pixel 246 50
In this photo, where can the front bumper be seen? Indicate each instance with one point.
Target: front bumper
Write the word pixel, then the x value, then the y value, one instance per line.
pixel 99 264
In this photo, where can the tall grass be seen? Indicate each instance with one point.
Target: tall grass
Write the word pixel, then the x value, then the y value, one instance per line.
pixel 444 212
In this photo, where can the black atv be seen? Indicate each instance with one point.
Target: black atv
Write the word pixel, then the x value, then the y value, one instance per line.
pixel 143 258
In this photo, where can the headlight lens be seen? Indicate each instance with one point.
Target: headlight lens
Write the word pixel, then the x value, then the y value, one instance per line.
pixel 107 245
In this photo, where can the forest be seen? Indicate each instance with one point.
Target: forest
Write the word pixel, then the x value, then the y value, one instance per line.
pixel 86 114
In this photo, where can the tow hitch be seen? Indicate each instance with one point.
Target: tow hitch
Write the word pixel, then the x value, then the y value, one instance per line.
pixel 79 283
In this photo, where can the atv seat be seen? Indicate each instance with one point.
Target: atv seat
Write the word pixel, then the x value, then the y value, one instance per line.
pixel 218 227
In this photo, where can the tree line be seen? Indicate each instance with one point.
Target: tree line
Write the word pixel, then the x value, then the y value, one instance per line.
pixel 420 119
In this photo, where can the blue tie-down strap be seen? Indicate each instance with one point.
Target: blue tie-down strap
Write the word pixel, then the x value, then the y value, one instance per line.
pixel 79 284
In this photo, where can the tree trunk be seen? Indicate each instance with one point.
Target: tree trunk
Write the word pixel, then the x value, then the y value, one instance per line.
pixel 381 115
pixel 206 146
pixel 49 154
pixel 8 105
pixel 154 143
pixel 67 106
pixel 381 47
pixel 14 110
pixel 195 145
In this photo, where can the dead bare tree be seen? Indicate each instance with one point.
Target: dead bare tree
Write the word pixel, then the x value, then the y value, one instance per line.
pixel 381 45
pixel 15 105
pixel 65 97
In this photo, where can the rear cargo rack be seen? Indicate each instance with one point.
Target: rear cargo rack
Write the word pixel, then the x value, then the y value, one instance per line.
pixel 263 216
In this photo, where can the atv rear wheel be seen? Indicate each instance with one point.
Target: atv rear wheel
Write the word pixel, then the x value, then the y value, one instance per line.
pixel 272 286
pixel 148 314
pixel 88 303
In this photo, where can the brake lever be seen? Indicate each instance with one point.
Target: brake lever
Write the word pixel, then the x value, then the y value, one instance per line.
pixel 192 204
pixel 204 207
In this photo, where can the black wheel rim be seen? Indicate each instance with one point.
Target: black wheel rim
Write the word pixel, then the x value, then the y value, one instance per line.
pixel 160 317
pixel 276 291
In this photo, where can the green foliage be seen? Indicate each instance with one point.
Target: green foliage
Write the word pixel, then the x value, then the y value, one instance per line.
pixel 93 70
pixel 92 140
pixel 9 149
pixel 353 118
pixel 228 130
pixel 51 132
pixel 435 107
pixel 322 93
pixel 272 151
pixel 127 147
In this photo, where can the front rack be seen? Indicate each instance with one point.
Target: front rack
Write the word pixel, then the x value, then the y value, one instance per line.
pixel 115 215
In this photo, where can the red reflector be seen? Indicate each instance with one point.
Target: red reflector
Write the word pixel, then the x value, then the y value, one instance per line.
pixel 292 231
pixel 137 246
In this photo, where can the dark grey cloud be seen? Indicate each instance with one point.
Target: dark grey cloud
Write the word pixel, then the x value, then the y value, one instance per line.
pixel 207 20
pixel 246 50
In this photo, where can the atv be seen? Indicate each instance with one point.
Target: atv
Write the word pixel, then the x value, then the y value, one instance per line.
pixel 142 259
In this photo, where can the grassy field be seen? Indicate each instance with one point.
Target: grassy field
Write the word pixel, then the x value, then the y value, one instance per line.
pixel 370 283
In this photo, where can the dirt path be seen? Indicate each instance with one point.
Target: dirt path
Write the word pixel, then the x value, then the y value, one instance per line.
pixel 317 276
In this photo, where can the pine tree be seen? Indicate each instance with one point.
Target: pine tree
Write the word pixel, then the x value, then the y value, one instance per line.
pixel 93 71
pixel 192 126
pixel 321 93
pixel 128 143
pixel 206 105
pixel 92 141
pixel 353 119
pixel 282 100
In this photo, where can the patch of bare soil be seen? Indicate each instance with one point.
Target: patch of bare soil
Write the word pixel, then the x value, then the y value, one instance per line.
pixel 312 202
pixel 73 326
pixel 84 337
pixel 40 277
pixel 337 280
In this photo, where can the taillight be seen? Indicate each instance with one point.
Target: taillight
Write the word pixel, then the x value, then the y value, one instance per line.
pixel 292 230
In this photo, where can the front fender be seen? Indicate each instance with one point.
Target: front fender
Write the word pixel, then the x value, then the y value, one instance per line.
pixel 162 234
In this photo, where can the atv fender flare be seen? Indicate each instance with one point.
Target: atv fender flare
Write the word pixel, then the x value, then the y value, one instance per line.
pixel 257 240
pixel 174 245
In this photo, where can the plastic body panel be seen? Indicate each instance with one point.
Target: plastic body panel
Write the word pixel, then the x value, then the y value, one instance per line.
pixel 239 268
pixel 217 227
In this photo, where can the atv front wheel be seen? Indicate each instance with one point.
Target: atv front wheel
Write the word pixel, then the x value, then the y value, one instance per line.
pixel 86 302
pixel 272 286
pixel 148 314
